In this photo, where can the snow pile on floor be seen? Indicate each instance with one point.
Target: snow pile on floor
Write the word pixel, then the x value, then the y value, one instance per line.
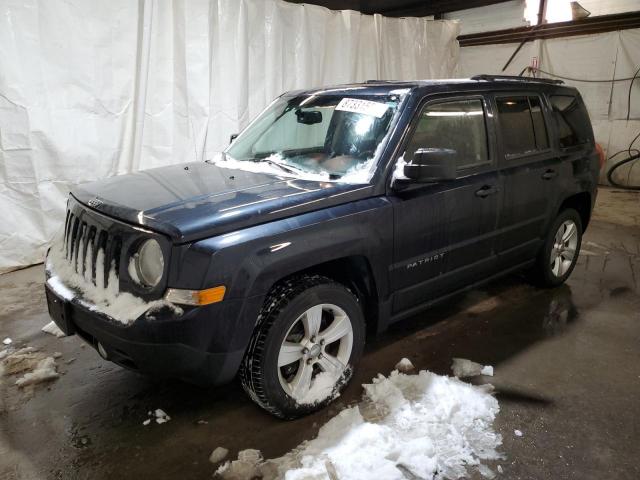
pixel 108 299
pixel 45 370
pixel 7 341
pixel 463 368
pixel 408 426
pixel 35 366
pixel 53 329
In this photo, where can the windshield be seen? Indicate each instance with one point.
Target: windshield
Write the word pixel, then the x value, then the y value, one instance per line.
pixel 333 136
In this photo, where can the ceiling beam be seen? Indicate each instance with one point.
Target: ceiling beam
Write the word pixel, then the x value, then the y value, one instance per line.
pixel 590 25
pixel 425 7
pixel 399 8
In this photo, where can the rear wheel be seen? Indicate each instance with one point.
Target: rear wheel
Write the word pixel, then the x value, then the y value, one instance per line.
pixel 309 336
pixel 559 254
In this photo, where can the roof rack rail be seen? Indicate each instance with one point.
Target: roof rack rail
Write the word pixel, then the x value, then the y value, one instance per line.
pixel 516 79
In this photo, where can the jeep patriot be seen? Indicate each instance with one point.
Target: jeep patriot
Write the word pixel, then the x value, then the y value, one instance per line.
pixel 337 211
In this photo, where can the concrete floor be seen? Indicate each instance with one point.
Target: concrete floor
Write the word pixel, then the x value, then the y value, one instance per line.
pixel 567 375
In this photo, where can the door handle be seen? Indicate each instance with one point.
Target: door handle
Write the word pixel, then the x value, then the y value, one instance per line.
pixel 549 174
pixel 486 191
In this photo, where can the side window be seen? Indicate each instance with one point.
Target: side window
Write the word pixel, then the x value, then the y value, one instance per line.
pixel 458 125
pixel 539 128
pixel 572 120
pixel 522 125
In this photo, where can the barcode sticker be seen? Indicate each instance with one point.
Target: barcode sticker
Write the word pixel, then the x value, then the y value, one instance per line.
pixel 366 107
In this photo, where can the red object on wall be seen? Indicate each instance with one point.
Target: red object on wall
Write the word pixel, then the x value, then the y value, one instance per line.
pixel 601 157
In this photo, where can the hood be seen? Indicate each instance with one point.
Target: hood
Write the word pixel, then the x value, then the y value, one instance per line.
pixel 197 200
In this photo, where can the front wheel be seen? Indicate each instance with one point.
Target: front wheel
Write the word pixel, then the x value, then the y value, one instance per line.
pixel 559 254
pixel 309 336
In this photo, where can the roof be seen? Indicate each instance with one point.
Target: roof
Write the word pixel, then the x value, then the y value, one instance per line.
pixel 477 82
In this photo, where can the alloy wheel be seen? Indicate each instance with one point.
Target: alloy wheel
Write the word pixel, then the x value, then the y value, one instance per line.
pixel 564 248
pixel 320 340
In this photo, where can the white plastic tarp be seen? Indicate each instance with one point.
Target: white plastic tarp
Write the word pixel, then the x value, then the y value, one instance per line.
pixel 92 89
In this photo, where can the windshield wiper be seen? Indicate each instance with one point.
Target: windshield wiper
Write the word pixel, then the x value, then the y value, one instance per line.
pixel 286 168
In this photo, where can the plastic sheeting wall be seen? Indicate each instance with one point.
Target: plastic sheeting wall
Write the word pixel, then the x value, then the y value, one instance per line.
pixel 602 56
pixel 92 89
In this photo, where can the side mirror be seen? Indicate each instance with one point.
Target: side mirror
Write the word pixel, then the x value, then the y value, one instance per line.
pixel 233 137
pixel 432 165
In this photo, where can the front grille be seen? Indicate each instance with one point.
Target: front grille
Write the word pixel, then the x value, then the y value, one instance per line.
pixel 91 250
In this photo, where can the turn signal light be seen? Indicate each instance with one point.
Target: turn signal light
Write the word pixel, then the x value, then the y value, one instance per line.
pixel 196 297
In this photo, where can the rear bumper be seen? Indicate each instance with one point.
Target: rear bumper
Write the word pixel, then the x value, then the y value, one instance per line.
pixel 202 345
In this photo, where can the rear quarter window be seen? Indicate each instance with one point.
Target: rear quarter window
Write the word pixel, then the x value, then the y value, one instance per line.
pixel 572 120
pixel 522 125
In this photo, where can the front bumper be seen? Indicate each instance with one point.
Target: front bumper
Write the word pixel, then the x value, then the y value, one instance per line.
pixel 202 345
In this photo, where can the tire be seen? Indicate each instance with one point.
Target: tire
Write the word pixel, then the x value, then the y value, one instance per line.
pixel 292 312
pixel 557 258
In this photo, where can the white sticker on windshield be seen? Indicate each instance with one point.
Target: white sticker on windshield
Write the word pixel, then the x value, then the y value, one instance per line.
pixel 365 107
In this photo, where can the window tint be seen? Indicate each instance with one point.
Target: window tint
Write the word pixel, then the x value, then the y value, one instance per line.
pixel 522 125
pixel 572 120
pixel 458 125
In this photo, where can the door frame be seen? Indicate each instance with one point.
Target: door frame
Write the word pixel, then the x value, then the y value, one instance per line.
pixel 489 167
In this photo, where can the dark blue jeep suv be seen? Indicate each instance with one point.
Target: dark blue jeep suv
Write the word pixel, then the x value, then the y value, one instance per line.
pixel 335 211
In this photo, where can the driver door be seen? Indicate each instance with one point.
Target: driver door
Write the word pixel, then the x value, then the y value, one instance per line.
pixel 445 231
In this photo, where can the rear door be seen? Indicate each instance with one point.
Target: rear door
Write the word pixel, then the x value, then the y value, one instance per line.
pixel 444 231
pixel 529 170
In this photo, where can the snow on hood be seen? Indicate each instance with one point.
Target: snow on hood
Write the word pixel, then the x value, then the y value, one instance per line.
pixel 107 299
pixel 407 426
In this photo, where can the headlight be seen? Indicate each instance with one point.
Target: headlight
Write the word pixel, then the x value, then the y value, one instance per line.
pixel 148 264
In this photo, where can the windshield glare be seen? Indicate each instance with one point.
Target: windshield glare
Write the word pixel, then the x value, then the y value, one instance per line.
pixel 321 134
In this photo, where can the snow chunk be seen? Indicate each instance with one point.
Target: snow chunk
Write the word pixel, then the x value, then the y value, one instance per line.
pixel 21 360
pixel 398 171
pixel 462 368
pixel 245 467
pixel 219 454
pixel 408 426
pixel 487 370
pixel 161 416
pixel 44 371
pixel 53 329
pixel 7 341
pixel 404 365
pixel 109 300
pixel 486 472
pixel 517 433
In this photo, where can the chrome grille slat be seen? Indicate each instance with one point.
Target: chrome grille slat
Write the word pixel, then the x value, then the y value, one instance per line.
pixel 72 239
pixel 79 253
pixel 83 242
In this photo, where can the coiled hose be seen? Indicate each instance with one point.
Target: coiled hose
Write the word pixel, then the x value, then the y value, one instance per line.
pixel 613 167
pixel 633 154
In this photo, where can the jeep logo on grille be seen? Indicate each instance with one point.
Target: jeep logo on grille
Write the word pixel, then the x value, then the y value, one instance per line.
pixel 95 202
